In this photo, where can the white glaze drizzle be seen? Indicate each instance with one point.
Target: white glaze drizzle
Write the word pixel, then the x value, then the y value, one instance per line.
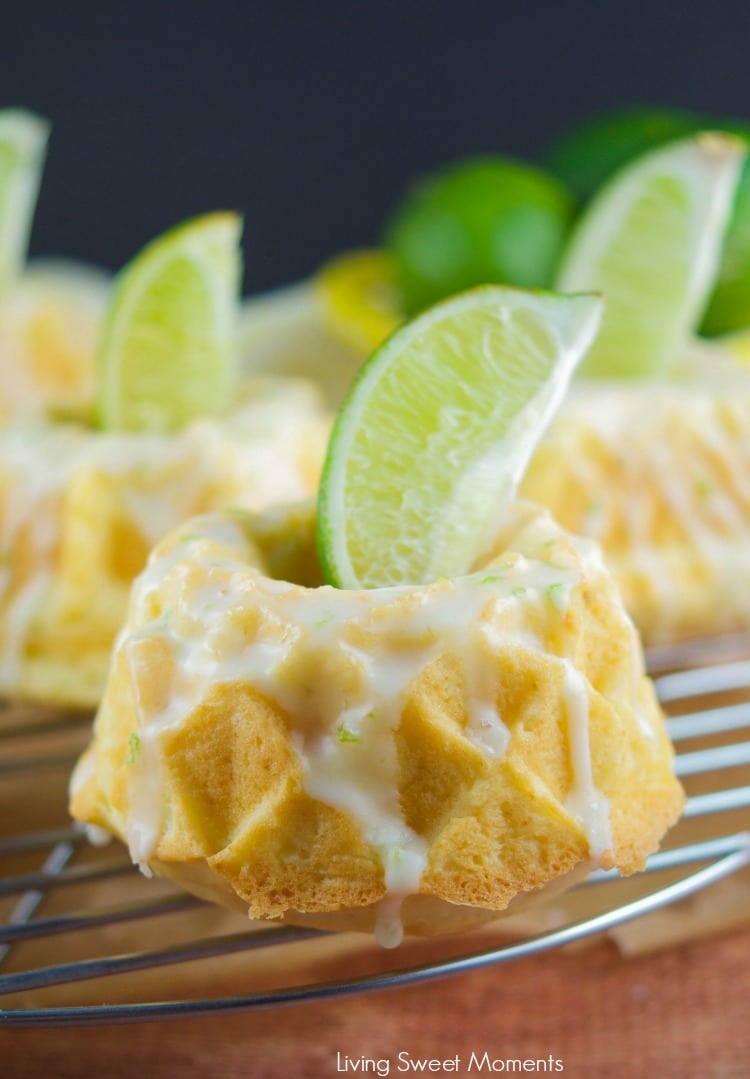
pixel 258 455
pixel 383 638
pixel 585 801
pixel 682 446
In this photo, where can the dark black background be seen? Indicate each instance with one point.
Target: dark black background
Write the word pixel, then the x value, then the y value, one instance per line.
pixel 312 118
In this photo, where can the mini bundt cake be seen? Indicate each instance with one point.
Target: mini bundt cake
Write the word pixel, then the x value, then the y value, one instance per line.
pixel 80 508
pixel 659 476
pixel 399 759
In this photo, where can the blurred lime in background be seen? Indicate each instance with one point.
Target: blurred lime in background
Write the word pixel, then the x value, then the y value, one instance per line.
pixel 482 220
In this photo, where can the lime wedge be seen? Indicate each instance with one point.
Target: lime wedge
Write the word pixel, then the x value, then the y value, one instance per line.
pixel 23 142
pixel 592 151
pixel 433 438
pixel 650 241
pixel 168 349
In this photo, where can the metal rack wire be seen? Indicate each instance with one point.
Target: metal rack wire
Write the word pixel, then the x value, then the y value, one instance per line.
pixel 76 918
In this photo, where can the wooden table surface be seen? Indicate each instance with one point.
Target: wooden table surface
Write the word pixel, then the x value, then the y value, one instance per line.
pixel 682 1012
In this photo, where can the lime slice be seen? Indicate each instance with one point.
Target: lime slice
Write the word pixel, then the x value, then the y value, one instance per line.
pixel 591 152
pixel 433 438
pixel 650 241
pixel 478 221
pixel 168 350
pixel 23 141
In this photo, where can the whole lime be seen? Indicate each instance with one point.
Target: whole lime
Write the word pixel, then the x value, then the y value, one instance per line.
pixel 586 155
pixel 729 307
pixel 590 152
pixel 478 221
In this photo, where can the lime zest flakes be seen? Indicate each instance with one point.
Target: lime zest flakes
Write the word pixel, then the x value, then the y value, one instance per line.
pixel 162 623
pixel 345 734
pixel 519 591
pixel 557 595
pixel 395 855
pixel 502 569
pixel 324 620
pixel 134 747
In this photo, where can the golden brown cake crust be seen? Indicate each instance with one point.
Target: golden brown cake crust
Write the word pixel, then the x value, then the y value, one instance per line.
pixel 524 741
pixel 657 474
pixel 81 508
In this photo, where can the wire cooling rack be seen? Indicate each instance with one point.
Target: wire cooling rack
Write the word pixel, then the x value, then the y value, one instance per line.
pixel 88 940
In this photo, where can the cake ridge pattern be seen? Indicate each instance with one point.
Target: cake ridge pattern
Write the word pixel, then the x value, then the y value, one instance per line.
pixel 370 757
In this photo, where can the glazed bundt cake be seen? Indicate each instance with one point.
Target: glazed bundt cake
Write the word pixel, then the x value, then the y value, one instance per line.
pixel 405 759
